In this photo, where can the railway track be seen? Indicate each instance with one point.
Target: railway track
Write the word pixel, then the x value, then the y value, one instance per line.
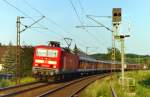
pixel 13 90
pixel 64 89
pixel 71 89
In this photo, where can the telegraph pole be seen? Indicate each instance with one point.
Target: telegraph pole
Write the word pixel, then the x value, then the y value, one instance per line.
pixel 18 46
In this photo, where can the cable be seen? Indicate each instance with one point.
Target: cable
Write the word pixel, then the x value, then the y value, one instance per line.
pixel 83 10
pixel 82 22
pixel 81 6
pixel 21 12
pixel 76 12
pixel 28 15
pixel 15 7
pixel 33 8
pixel 49 19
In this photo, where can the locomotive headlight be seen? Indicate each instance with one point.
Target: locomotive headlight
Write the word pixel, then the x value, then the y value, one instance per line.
pixel 36 64
pixel 1 67
pixel 54 66
pixel 52 62
pixel 39 61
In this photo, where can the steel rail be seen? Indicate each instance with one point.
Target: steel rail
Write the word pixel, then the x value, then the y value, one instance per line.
pixel 113 92
pixel 17 86
pixel 78 91
pixel 25 90
pixel 61 87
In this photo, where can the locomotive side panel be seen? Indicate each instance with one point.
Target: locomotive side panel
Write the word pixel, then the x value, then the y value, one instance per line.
pixel 69 62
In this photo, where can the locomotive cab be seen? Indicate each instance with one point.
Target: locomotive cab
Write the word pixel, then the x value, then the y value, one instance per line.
pixel 47 59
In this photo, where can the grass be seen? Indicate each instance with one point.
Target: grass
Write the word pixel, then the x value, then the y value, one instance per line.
pixel 97 89
pixel 7 83
pixel 101 88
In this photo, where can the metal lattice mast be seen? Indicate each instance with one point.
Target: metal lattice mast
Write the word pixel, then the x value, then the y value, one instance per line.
pixel 18 46
pixel 116 19
pixel 122 59
pixel 121 38
pixel 113 50
pixel 18 52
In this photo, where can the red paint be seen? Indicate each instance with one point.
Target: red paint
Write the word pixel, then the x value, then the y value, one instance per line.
pixel 47 58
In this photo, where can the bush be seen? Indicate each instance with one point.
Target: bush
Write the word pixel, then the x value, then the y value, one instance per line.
pixel 6 83
pixel 27 80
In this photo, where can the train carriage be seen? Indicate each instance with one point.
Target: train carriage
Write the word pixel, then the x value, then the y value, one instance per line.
pixel 53 60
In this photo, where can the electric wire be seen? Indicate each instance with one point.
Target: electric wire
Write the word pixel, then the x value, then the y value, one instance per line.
pixel 74 8
pixel 50 20
pixel 6 1
pixel 81 21
pixel 38 12
pixel 19 10
pixel 84 12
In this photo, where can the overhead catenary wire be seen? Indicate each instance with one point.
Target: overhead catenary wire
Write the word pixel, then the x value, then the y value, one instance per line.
pixel 22 12
pixel 15 7
pixel 84 12
pixel 7 2
pixel 19 10
pixel 51 21
pixel 82 8
pixel 78 17
pixel 74 8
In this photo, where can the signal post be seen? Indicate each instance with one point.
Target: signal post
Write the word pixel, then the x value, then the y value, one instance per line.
pixel 116 20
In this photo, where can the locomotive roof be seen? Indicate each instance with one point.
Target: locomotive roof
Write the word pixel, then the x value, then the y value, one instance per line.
pixel 45 46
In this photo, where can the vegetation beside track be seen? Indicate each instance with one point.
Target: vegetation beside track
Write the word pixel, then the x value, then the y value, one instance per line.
pixel 11 82
pixel 101 88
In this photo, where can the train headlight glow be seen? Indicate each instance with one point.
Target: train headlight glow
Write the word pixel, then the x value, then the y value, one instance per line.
pixel 1 67
pixel 39 61
pixel 54 66
pixel 52 62
pixel 36 64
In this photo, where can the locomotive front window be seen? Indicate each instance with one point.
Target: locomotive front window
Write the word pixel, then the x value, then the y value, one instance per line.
pixel 52 53
pixel 41 52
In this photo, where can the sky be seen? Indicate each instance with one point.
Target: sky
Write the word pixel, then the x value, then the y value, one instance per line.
pixel 62 17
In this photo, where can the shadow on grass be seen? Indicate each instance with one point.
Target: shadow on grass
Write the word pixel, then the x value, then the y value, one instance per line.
pixel 145 82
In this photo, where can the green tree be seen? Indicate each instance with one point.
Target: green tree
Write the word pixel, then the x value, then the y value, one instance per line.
pixel 75 50
pixel 26 60
pixel 117 54
pixel 8 60
pixel 99 56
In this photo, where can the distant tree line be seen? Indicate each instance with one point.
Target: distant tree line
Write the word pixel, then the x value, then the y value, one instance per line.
pixel 129 58
pixel 9 58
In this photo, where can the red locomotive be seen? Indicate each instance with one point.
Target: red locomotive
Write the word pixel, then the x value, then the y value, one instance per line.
pixel 55 61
